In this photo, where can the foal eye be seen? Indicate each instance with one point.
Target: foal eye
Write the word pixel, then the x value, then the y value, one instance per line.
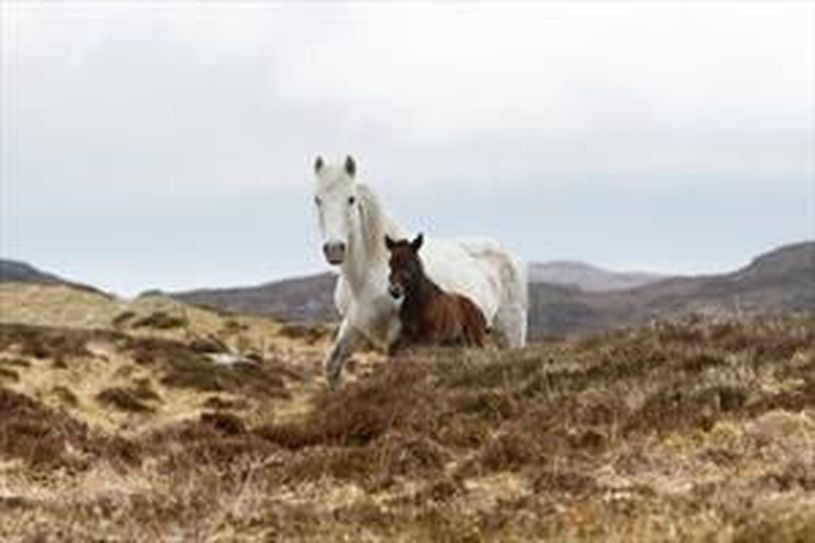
pixel 351 200
pixel 317 200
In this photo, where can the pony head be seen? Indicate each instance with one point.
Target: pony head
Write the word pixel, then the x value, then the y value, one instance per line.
pixel 336 199
pixel 405 265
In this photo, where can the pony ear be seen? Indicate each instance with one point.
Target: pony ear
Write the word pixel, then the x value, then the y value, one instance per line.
pixel 318 164
pixel 350 166
pixel 416 244
pixel 389 243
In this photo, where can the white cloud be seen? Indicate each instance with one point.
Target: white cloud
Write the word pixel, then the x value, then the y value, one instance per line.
pixel 116 106
pixel 215 94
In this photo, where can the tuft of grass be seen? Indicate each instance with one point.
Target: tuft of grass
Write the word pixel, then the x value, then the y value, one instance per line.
pixel 778 523
pixel 160 320
pixel 14 362
pixel 143 390
pixel 123 399
pixel 182 365
pixel 208 344
pixel 133 399
pixel 152 351
pixel 224 422
pixel 46 342
pixel 65 395
pixel 122 318
pixel 36 434
pixel 222 404
pixel 509 450
pixel 232 326
pixel 362 412
pixel 9 374
pixel 310 333
pixel 215 439
pixel 240 377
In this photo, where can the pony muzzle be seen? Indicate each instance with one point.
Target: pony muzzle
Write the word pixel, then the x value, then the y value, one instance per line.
pixel 334 252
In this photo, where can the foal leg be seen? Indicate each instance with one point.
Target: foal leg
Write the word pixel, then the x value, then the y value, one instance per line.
pixel 345 342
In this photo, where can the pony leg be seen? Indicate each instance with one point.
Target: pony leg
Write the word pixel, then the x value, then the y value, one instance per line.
pixel 347 338
pixel 394 341
pixel 510 321
pixel 510 326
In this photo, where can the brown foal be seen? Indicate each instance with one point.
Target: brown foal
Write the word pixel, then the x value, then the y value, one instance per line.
pixel 429 315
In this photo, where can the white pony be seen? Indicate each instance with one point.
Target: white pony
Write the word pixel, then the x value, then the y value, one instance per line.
pixel 353 224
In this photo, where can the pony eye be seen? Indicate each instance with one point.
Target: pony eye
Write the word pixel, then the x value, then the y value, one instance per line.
pixel 317 200
pixel 351 200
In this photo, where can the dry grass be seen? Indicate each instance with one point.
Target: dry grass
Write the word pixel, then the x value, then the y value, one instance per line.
pixel 696 429
pixel 136 399
pixel 44 342
pixel 158 320
pixel 309 333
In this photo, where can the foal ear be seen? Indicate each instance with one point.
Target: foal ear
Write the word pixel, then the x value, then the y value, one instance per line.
pixel 318 164
pixel 416 244
pixel 389 243
pixel 350 166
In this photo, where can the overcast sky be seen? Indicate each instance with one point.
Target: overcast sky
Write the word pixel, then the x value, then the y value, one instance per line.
pixel 170 146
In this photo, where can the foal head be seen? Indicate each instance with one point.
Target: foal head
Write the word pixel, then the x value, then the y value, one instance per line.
pixel 405 265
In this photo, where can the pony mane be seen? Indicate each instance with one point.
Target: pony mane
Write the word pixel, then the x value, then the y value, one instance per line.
pixel 376 223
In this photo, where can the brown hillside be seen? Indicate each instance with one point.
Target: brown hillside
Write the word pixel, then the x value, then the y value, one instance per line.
pixel 135 427
pixel 779 281
pixel 303 299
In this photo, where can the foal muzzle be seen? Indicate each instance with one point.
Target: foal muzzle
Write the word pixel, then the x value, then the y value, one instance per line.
pixel 395 291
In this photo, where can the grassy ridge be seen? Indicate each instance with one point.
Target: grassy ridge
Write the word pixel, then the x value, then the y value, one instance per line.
pixel 695 429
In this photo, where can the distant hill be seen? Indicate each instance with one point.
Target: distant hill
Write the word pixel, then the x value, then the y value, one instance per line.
pixel 311 298
pixel 778 281
pixel 20 272
pixel 13 271
pixel 782 280
pixel 306 299
pixel 587 277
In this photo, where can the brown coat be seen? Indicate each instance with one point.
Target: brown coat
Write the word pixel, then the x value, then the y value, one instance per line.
pixel 429 315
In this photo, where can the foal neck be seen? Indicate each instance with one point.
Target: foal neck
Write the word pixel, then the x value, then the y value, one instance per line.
pixel 422 291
